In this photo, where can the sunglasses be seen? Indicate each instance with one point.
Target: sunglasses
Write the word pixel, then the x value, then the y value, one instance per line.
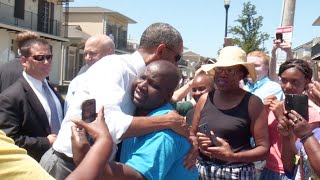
pixel 177 57
pixel 42 57
pixel 228 71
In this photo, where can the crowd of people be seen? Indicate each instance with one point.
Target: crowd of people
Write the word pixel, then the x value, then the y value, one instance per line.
pixel 237 125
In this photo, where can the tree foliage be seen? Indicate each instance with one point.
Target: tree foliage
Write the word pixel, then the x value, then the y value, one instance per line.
pixel 247 35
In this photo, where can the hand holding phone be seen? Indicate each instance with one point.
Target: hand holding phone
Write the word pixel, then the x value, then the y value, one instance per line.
pixel 89 110
pixel 89 114
pixel 298 103
pixel 279 36
pixel 203 128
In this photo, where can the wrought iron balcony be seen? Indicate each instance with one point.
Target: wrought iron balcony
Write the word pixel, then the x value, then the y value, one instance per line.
pixel 31 21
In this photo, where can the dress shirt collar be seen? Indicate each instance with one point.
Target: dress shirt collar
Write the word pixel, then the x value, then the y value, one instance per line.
pixel 138 62
pixel 35 82
pixel 258 83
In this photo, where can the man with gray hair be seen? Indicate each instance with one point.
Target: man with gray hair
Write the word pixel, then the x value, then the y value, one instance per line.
pixel 95 48
pixel 109 82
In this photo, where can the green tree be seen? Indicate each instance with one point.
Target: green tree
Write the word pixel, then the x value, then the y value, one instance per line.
pixel 247 35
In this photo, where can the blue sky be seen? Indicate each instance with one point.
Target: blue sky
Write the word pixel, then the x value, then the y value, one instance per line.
pixel 201 22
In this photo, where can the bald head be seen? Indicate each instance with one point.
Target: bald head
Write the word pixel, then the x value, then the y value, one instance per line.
pixel 167 71
pixel 156 85
pixel 96 47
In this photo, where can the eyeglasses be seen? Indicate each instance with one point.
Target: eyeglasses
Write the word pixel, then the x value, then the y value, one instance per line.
pixel 228 71
pixel 177 57
pixel 42 57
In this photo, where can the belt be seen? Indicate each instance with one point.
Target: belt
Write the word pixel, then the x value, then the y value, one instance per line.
pixel 63 156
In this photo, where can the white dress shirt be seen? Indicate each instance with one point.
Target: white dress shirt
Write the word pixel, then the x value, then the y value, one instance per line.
pixel 36 86
pixel 109 81
pixel 73 86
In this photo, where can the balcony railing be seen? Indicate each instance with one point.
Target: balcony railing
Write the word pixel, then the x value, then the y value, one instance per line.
pixel 30 21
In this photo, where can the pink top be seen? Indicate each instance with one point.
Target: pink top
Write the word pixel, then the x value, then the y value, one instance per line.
pixel 274 162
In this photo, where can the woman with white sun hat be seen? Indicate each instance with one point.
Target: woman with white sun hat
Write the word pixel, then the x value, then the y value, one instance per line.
pixel 233 115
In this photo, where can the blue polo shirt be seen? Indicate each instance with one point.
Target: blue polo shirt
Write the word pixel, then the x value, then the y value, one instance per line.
pixel 158 155
pixel 265 87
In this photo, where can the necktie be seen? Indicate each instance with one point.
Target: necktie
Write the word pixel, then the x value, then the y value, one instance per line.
pixel 55 124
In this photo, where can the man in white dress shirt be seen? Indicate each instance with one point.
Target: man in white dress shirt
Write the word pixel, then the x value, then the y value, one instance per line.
pixel 95 48
pixel 109 81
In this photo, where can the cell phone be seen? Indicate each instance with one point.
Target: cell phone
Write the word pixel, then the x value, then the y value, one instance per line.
pixel 299 103
pixel 89 114
pixel 203 128
pixel 279 36
pixel 89 110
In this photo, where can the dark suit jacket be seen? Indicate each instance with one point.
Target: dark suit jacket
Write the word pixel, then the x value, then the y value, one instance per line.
pixel 10 73
pixel 23 118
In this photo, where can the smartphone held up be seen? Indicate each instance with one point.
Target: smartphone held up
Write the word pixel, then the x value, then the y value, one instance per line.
pixel 279 36
pixel 298 103
pixel 89 110
pixel 89 114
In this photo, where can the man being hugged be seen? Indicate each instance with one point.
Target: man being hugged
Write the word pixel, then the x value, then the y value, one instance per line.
pixel 158 155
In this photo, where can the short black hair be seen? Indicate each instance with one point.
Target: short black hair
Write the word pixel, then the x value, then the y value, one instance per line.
pixel 301 65
pixel 160 33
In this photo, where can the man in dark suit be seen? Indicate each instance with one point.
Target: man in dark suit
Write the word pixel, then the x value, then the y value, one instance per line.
pixel 30 109
pixel 9 73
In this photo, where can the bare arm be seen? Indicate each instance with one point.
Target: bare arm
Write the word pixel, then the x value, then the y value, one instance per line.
pixel 273 60
pixel 287 48
pixel 119 171
pixel 288 151
pixel 196 115
pixel 273 63
pixel 182 92
pixel 144 125
pixel 312 147
pixel 289 131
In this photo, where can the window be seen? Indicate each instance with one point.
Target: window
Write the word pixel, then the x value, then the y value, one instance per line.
pixel 19 9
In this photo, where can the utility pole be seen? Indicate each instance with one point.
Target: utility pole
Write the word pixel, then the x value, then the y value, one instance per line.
pixel 287 19
pixel 289 7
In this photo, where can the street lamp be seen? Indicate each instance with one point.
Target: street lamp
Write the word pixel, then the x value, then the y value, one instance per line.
pixel 226 6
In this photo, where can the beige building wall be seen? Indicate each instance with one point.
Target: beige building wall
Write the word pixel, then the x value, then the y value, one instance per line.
pixel 89 23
